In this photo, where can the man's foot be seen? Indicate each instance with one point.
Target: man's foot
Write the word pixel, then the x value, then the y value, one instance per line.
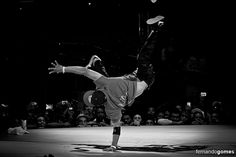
pixel 155 20
pixel 92 61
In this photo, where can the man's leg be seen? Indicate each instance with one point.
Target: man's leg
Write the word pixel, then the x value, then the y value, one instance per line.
pixel 96 64
pixel 145 67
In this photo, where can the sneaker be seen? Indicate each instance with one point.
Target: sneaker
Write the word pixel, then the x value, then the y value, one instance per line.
pixel 156 19
pixel 110 149
pixel 92 61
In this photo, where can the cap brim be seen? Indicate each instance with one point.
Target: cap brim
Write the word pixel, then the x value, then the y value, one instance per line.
pixel 86 96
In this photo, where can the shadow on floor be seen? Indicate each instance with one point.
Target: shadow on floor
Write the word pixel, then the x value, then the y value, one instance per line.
pixel 147 148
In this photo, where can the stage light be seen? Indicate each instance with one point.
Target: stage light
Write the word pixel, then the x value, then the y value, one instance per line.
pixel 153 1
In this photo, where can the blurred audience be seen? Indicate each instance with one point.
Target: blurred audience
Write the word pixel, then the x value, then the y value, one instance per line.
pixel 173 118
pixel 77 114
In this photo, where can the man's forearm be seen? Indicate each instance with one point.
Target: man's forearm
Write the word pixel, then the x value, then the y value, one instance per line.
pixel 116 136
pixel 76 70
pixel 82 71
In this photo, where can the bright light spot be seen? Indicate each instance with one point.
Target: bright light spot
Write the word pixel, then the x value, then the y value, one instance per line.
pixel 153 1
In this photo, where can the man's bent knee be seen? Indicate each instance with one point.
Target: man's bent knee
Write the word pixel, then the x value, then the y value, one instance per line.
pixel 146 73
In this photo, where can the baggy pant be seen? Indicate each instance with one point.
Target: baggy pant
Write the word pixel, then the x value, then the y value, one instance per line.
pixel 145 56
pixel 145 70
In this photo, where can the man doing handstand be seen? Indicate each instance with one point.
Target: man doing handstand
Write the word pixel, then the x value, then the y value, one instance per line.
pixel 117 92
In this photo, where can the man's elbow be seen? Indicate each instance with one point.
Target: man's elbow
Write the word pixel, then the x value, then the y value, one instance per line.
pixel 85 72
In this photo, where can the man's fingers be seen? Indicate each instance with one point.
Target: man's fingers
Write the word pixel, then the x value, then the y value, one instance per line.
pixel 51 68
pixel 56 62
pixel 53 64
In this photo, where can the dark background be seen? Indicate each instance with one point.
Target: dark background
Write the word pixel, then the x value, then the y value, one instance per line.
pixel 70 31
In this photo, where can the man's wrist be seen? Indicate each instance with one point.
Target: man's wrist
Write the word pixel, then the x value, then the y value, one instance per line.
pixel 63 69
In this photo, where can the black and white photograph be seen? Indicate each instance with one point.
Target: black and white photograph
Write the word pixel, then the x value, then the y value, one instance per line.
pixel 144 78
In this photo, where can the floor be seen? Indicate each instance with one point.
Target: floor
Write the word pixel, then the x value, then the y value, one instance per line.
pixel 143 141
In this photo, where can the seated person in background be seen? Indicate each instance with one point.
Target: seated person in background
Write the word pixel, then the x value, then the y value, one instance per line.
pixel 149 122
pixel 126 120
pixel 41 123
pixel 166 114
pixel 82 120
pixel 137 120
pixel 100 117
pixel 33 112
pixel 150 115
pixel 160 115
pixel 198 117
pixel 185 118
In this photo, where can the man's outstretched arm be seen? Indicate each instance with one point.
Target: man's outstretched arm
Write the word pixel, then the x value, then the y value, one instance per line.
pixel 80 70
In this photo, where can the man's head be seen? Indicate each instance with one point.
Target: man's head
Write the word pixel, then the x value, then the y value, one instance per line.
pixel 98 98
pixel 94 98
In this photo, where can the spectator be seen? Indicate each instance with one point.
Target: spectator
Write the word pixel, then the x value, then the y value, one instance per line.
pixel 126 119
pixel 215 118
pixel 49 114
pixel 151 114
pixel 149 122
pixel 175 115
pixel 137 120
pixel 173 119
pixel 33 113
pixel 179 108
pixel 166 114
pixel 188 107
pixel 185 118
pixel 41 123
pixel 89 112
pixel 198 117
pixel 82 120
pixel 160 115
pixel 64 113
pixel 100 117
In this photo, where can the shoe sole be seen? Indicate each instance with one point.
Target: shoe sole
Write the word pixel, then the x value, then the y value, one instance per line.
pixel 155 19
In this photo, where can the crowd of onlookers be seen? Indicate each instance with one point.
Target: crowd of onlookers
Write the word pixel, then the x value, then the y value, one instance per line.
pixel 76 114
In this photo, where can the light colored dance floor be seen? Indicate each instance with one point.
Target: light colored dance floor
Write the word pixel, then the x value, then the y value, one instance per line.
pixel 144 141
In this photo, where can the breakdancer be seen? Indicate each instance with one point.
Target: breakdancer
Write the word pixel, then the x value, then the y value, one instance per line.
pixel 117 92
